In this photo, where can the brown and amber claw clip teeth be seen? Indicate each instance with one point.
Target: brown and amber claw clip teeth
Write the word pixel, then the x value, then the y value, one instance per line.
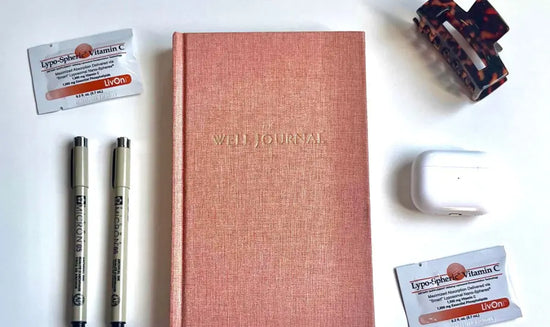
pixel 468 41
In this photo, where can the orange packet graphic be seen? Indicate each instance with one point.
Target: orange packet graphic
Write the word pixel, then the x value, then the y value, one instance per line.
pixel 85 70
pixel 469 289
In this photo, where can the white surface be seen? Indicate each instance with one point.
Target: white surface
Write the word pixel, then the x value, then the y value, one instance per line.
pixel 412 107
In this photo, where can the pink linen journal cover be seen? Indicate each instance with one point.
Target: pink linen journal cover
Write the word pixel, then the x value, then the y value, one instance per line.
pixel 270 181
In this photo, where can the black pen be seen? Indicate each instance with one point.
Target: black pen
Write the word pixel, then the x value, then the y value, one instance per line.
pixel 79 184
pixel 121 190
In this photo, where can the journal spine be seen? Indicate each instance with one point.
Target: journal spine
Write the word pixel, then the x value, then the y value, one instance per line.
pixel 178 171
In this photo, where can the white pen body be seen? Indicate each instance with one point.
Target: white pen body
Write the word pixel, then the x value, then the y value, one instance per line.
pixel 79 184
pixel 121 191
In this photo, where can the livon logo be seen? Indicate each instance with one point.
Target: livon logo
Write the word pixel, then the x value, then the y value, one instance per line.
pixel 460 313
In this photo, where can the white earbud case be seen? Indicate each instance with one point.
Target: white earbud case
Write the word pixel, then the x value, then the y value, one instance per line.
pixel 453 183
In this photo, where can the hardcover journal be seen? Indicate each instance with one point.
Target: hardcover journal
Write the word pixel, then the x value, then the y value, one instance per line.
pixel 270 181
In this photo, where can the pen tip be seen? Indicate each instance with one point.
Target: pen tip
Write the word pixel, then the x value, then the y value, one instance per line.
pixel 81 141
pixel 123 142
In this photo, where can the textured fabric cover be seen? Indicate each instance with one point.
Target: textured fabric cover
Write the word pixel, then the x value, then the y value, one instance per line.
pixel 270 181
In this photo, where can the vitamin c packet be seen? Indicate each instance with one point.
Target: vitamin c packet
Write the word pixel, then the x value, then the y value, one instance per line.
pixel 469 289
pixel 85 70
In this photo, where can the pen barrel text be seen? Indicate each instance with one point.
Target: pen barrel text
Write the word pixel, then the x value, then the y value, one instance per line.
pixel 119 255
pixel 80 245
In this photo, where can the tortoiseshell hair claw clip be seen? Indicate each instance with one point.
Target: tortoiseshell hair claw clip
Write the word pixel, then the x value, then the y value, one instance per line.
pixel 451 29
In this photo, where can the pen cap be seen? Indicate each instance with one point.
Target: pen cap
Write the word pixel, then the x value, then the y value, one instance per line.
pixel 121 163
pixel 79 162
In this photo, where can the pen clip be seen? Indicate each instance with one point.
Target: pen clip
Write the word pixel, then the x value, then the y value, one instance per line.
pixel 113 169
pixel 72 167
